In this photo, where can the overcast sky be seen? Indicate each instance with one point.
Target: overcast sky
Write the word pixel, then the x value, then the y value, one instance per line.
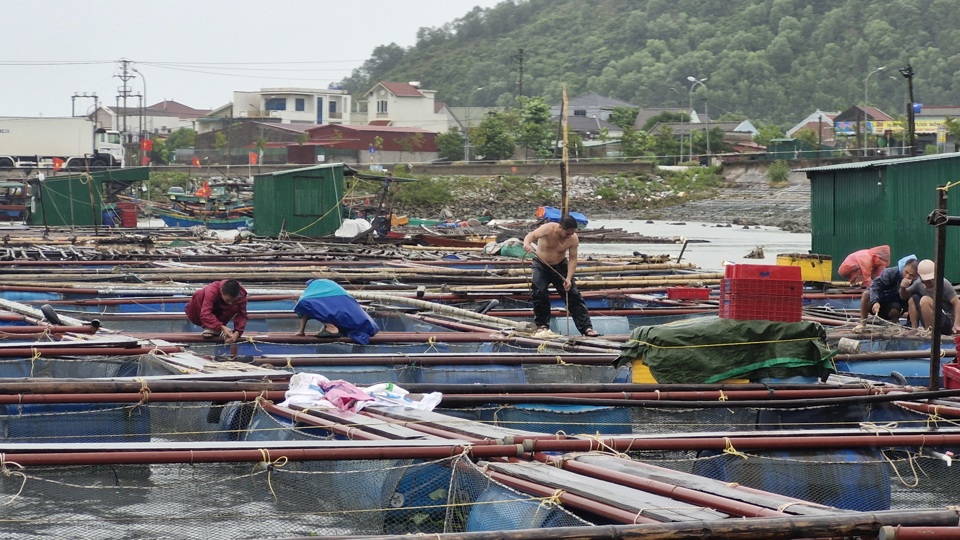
pixel 196 52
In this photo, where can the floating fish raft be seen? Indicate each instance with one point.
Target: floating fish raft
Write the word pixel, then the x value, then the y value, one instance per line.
pixel 120 421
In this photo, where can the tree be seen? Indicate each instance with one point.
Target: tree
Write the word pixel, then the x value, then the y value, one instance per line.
pixel 535 130
pixel 636 143
pixel 624 117
pixel 451 144
pixel 492 140
pixel 808 136
pixel 952 126
pixel 181 138
pixel 665 118
pixel 409 143
pixel 767 132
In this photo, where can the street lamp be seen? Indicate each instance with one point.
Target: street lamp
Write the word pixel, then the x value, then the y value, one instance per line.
pixel 143 111
pixel 466 129
pixel 695 82
pixel 679 108
pixel 865 104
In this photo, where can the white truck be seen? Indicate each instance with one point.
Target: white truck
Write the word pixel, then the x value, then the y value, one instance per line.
pixel 74 143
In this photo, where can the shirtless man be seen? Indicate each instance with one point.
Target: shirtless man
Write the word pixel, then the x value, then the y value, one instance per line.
pixel 554 263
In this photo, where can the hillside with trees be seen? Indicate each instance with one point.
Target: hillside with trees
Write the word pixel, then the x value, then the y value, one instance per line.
pixel 774 61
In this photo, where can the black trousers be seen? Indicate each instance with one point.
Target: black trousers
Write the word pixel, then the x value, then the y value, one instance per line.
pixel 545 275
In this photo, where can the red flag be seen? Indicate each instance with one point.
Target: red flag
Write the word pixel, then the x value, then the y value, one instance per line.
pixel 252 157
pixel 146 145
pixel 204 190
pixel 196 162
pixel 57 164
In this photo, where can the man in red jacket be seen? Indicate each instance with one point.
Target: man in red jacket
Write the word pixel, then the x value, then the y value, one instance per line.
pixel 215 305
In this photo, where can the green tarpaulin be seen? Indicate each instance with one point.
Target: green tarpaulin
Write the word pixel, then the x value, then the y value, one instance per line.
pixel 710 349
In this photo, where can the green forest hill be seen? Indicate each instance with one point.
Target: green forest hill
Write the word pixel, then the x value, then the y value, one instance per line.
pixel 773 61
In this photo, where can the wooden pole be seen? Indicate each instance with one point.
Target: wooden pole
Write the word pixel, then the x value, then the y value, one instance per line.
pixel 565 155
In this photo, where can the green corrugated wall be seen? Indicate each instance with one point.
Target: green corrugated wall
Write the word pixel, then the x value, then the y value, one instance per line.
pixel 76 199
pixel 302 202
pixel 856 208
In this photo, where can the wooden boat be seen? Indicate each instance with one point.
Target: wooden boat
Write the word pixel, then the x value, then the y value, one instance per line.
pixel 438 240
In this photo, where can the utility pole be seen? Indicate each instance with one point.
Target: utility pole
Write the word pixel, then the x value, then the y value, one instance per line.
pixel 73 102
pixel 908 73
pixel 123 91
pixel 519 57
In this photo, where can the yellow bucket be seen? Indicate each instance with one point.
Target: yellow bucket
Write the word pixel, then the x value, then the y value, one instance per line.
pixel 813 267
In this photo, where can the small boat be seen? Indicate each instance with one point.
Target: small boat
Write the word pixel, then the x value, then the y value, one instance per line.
pixel 173 218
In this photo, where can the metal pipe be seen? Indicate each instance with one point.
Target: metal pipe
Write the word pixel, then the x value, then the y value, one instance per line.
pixel 571 499
pixel 28 352
pixel 848 524
pixel 673 491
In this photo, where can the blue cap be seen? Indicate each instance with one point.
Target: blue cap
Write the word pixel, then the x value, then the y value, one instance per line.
pixel 903 262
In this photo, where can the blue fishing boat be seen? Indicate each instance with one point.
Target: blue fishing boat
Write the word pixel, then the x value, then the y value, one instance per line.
pixel 173 218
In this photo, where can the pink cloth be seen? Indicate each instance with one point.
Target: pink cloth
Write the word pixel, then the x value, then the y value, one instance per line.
pixel 863 266
pixel 344 395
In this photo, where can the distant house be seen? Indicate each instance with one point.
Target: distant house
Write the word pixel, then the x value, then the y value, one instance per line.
pixel 294 105
pixel 738 134
pixel 817 121
pixel 647 113
pixel 365 145
pixel 853 127
pixel 590 113
pixel 399 104
pixel 590 106
pixel 161 118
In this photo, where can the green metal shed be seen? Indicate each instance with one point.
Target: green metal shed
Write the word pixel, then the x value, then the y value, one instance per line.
pixel 861 205
pixel 305 202
pixel 79 199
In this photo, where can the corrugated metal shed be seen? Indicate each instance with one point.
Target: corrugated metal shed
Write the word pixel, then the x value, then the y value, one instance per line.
pixel 861 205
pixel 78 199
pixel 304 202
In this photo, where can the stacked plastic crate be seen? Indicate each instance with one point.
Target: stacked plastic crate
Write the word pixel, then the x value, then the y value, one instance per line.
pixel 764 292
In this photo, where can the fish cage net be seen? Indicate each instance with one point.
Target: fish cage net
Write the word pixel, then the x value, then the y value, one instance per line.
pixel 639 420
pixel 274 498
pixel 82 367
pixel 861 479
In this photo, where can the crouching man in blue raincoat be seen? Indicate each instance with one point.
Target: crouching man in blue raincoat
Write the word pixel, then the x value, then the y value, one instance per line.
pixel 327 302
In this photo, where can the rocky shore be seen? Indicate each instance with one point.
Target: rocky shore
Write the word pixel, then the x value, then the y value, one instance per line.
pixel 747 198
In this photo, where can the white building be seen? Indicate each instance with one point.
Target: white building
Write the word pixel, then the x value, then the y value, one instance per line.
pixel 294 105
pixel 405 105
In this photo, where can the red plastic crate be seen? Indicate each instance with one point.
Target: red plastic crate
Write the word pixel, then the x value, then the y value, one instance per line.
pixel 762 271
pixel 749 307
pixel 768 287
pixel 688 293
pixel 951 376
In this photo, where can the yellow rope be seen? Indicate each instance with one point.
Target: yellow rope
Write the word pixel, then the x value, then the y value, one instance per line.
pixel 553 500
pixel 432 341
pixel 7 472
pixel 144 395
pixel 949 185
pixel 729 449
pixel 723 397
pixel 913 469
pixel 270 465
pixel 707 345
pixel 33 359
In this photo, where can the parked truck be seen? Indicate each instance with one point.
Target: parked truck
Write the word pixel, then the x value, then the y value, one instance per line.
pixel 74 143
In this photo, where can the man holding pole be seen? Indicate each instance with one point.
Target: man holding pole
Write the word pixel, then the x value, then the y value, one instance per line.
pixel 554 263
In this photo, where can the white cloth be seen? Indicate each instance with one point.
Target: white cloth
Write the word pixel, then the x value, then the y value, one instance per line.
pixel 305 390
